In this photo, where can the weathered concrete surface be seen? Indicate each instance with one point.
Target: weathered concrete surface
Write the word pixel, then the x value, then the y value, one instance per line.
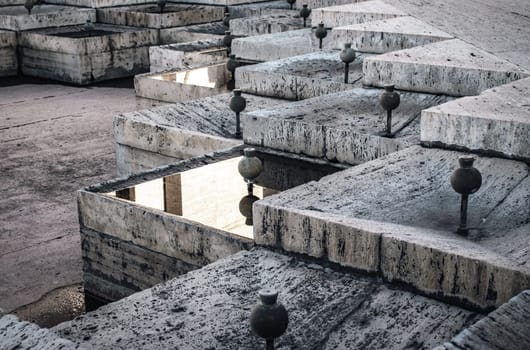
pixel 257 9
pixel 497 122
pixel 450 67
pixel 387 35
pixel 396 216
pixel 344 127
pixel 187 55
pixel 268 24
pixel 206 31
pixel 16 18
pixel 300 77
pixel 48 53
pixel 315 4
pixel 55 139
pixel 359 12
pixel 148 15
pixel 210 308
pixel 179 131
pixel 270 47
pixel 508 327
pixel 16 334
pixel 96 3
pixel 183 85
pixel 8 53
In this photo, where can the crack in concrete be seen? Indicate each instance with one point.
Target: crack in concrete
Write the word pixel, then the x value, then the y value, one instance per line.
pixel 31 246
pixel 41 121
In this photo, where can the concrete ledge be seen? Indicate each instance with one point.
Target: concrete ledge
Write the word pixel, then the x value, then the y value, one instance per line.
pixel 450 67
pixel 267 24
pixel 387 35
pixel 358 12
pixel 206 31
pixel 95 3
pixel 188 55
pixel 258 9
pixel 8 54
pixel 496 122
pixel 299 77
pixel 16 18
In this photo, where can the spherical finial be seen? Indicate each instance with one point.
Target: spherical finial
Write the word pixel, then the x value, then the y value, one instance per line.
pixel 237 102
pixel 250 166
pixel 466 179
pixel 347 55
pixel 321 32
pixel 269 319
pixel 389 99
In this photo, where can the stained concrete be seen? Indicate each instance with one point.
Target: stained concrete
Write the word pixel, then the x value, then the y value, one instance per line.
pixel 257 9
pixel 16 18
pixel 387 35
pixel 496 122
pixel 396 216
pixel 178 131
pixel 451 67
pixel 358 12
pixel 300 77
pixel 346 127
pixel 210 308
pixel 187 55
pixel 8 53
pixel 269 23
pixel 206 31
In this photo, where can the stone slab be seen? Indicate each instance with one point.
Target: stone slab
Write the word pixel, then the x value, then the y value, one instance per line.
pixel 496 122
pixel 8 53
pixel 343 127
pixel 182 85
pixel 180 131
pixel 210 308
pixel 300 77
pixel 207 31
pixel 450 67
pixel 16 18
pixel 188 55
pixel 387 35
pixel 508 327
pixel 96 3
pixel 315 4
pixel 269 23
pixel 271 47
pixel 354 13
pixel 405 202
pixel 147 16
pixel 257 9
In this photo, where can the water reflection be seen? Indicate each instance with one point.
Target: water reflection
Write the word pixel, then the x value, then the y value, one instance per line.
pixel 214 195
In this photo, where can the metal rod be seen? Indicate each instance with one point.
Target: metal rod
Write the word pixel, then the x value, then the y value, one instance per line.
pixel 305 19
pixel 238 126
pixel 389 122
pixel 320 44
pixel 346 71
pixel 270 344
pixel 462 229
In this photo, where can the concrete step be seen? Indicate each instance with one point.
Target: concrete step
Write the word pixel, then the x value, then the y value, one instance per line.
pixel 268 23
pixel 495 122
pixel 8 53
pixel 158 136
pixel 257 9
pixel 387 35
pixel 451 67
pixel 16 18
pixel 396 217
pixel 210 308
pixel 206 31
pixel 354 13
pixel 345 127
pixel 187 55
pixel 300 77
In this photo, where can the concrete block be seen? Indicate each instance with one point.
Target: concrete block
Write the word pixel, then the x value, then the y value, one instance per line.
pixel 335 309
pixel 95 3
pixel 451 67
pixel 68 54
pixel 315 4
pixel 16 18
pixel 354 13
pixel 148 16
pixel 8 54
pixel 344 127
pixel 188 55
pixel 299 77
pixel 387 35
pixel 408 200
pixel 206 31
pixel 130 160
pixel 266 24
pixel 182 85
pixel 257 9
pixel 271 47
pixel 496 122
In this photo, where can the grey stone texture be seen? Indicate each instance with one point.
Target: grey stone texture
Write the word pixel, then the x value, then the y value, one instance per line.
pixel 268 23
pixel 210 309
pixel 257 9
pixel 507 327
pixel 179 131
pixel 22 335
pixel 271 47
pixel 495 122
pixel 148 15
pixel 450 67
pixel 396 215
pixel 387 35
pixel 343 127
pixel 183 85
pixel 51 53
pixel 16 18
pixel 353 13
pixel 96 3
pixel 187 55
pixel 8 53
pixel 300 77
pixel 206 31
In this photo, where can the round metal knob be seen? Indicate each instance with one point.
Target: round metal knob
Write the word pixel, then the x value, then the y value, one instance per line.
pixel 304 13
pixel 250 166
pixel 466 179
pixel 389 99
pixel 291 3
pixel 29 5
pixel 347 55
pixel 245 207
pixel 269 319
pixel 321 32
